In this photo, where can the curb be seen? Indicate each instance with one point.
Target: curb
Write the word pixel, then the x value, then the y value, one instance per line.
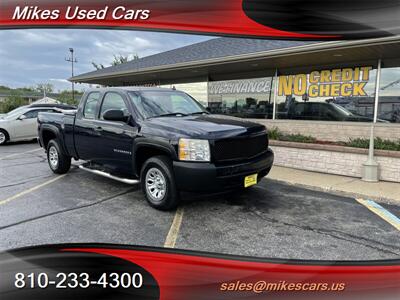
pixel 338 192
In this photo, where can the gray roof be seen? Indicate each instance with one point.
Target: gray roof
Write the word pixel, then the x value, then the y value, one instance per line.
pixel 129 89
pixel 213 48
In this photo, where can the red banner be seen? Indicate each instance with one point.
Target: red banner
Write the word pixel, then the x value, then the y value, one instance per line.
pixel 84 271
pixel 277 19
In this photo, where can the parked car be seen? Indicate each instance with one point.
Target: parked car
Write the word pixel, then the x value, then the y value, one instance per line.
pixel 322 111
pixel 162 138
pixel 21 123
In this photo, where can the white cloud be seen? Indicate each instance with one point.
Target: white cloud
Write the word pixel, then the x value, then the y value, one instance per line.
pixel 38 55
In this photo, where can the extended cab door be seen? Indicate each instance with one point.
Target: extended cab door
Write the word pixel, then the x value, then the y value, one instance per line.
pixel 117 137
pixel 87 135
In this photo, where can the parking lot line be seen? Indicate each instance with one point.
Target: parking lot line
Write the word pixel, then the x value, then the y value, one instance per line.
pixel 16 154
pixel 174 229
pixel 382 212
pixel 31 189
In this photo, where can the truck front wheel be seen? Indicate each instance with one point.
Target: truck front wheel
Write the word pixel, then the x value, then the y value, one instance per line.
pixel 158 183
pixel 59 163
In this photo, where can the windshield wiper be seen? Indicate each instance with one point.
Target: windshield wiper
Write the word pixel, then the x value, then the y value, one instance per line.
pixel 199 113
pixel 168 115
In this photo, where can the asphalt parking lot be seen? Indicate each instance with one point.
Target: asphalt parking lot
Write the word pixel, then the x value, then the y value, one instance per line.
pixel 269 220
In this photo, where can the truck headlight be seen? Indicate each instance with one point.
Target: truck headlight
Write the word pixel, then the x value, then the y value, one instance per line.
pixel 194 150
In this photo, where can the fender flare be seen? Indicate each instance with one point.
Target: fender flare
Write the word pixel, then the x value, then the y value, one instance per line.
pixel 163 145
pixel 57 132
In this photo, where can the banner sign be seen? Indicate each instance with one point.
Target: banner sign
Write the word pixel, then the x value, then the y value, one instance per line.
pixel 128 272
pixel 272 19
pixel 326 83
pixel 244 86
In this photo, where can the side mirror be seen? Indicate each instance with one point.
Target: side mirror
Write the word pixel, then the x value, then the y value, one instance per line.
pixel 208 109
pixel 21 117
pixel 115 115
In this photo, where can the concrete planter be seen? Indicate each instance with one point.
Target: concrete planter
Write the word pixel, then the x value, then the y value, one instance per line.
pixel 332 159
pixel 334 131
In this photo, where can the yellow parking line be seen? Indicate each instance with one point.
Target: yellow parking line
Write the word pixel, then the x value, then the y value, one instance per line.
pixel 31 189
pixel 381 212
pixel 174 230
pixel 16 154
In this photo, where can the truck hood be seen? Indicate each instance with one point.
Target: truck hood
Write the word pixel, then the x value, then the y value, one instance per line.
pixel 200 126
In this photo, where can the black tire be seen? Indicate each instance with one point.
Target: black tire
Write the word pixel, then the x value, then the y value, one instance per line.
pixel 59 163
pixel 5 137
pixel 170 198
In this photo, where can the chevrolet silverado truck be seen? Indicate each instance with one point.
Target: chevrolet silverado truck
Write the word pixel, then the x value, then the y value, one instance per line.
pixel 161 138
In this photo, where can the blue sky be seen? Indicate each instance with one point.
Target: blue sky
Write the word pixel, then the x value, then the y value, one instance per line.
pixel 31 56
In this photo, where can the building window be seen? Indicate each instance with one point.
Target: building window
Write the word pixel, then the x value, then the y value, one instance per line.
pixel 345 94
pixel 247 98
pixel 389 95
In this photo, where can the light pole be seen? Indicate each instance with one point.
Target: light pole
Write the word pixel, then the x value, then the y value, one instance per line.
pixel 370 169
pixel 72 60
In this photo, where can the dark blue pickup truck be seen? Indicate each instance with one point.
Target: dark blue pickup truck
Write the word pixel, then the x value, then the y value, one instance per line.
pixel 162 138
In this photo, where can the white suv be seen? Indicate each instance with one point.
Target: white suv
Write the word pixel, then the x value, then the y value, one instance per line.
pixel 21 123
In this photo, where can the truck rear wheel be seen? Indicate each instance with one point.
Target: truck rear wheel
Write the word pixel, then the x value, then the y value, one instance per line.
pixel 59 163
pixel 158 183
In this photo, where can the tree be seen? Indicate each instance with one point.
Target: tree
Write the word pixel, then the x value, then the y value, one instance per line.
pixel 44 88
pixel 66 97
pixel 98 66
pixel 118 59
pixel 13 101
pixel 3 87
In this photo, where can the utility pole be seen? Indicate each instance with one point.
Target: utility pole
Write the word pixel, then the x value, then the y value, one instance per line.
pixel 72 60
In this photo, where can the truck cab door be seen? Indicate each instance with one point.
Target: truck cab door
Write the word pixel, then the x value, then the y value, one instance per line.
pixel 117 137
pixel 87 137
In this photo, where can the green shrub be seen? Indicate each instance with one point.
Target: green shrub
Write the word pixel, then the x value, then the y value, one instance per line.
pixel 380 144
pixel 299 138
pixel 275 134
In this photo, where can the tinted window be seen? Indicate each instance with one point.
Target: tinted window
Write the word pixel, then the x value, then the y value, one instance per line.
pixel 299 110
pixel 113 101
pixel 34 113
pixel 91 105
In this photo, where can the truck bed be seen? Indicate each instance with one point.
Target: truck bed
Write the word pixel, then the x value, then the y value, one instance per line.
pixel 63 123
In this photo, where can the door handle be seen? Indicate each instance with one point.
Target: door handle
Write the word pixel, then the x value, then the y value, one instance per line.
pixel 98 128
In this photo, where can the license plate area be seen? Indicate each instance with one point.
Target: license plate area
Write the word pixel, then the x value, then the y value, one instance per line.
pixel 250 180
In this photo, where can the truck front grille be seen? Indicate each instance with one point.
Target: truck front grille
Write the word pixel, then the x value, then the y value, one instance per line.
pixel 240 148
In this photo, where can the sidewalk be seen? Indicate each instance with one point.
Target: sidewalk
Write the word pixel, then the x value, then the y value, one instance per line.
pixel 382 191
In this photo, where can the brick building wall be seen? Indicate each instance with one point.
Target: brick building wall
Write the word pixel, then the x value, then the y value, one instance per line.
pixel 334 159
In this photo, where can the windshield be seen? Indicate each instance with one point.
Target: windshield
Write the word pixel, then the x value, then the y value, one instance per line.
pixel 165 103
pixel 15 112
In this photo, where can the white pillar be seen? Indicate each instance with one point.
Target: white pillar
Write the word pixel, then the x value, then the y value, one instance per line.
pixel 370 170
pixel 377 88
pixel 275 94
pixel 208 95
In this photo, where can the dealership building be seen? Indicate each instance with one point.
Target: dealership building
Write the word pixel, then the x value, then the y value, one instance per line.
pixel 334 91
